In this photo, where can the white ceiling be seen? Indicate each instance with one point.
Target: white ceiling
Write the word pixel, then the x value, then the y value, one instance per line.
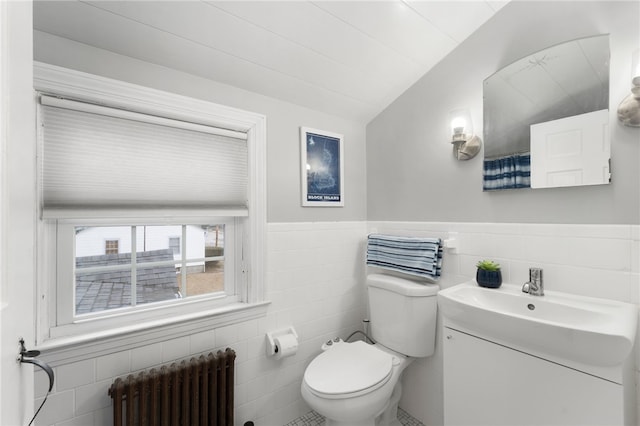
pixel 348 58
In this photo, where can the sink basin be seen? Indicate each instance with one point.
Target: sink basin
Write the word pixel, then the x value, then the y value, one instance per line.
pixel 581 329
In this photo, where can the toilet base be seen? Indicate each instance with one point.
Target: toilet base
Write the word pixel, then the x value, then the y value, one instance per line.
pixel 394 422
pixel 387 417
pixel 348 410
pixel 369 422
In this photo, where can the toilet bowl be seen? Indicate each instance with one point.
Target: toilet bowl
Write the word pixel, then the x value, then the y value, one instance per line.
pixel 358 384
pixel 352 383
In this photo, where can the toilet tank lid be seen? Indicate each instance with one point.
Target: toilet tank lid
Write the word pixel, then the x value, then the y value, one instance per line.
pixel 402 286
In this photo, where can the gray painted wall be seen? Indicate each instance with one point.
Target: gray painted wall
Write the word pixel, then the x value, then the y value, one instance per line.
pixel 283 123
pixel 411 173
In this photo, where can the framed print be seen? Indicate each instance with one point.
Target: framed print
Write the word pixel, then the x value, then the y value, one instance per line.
pixel 322 168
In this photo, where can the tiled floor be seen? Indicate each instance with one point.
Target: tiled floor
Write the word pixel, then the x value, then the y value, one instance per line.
pixel 314 419
pixel 310 419
pixel 406 419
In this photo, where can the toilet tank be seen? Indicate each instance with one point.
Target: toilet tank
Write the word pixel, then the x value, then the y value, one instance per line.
pixel 402 314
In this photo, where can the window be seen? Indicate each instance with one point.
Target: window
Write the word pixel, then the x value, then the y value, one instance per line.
pixel 178 229
pixel 174 245
pixel 151 273
pixel 111 247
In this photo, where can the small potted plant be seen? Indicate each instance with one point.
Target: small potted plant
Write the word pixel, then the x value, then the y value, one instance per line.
pixel 488 274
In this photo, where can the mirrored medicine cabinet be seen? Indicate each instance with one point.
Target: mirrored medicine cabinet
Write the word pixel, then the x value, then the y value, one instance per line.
pixel 546 118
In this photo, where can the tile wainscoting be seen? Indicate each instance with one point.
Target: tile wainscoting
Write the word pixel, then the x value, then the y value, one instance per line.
pixel 589 260
pixel 315 273
pixel 314 282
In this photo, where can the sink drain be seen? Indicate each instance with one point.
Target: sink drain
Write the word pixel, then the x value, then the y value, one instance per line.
pixel 531 306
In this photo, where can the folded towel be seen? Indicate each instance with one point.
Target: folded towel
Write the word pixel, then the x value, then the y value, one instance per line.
pixel 410 255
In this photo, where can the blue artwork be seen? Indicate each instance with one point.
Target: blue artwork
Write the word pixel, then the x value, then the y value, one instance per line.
pixel 323 168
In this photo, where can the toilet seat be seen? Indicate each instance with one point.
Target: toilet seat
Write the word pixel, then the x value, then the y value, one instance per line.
pixel 348 370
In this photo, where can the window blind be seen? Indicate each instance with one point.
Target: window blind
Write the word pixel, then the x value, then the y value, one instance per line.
pixel 99 157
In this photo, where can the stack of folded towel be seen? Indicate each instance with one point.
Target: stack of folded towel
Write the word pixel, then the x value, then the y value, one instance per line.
pixel 410 255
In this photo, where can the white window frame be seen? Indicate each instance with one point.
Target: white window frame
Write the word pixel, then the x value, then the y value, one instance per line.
pixel 198 313
pixel 65 323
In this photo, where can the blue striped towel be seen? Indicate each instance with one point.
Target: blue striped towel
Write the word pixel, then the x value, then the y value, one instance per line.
pixel 511 171
pixel 410 255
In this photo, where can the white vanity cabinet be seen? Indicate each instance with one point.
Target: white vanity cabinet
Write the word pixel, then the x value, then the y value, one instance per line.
pixel 491 384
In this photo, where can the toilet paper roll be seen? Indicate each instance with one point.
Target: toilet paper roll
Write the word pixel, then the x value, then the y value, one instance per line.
pixel 286 345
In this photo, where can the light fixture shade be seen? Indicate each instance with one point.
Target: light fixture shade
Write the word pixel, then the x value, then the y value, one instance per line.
pixel 465 144
pixel 460 125
pixel 629 108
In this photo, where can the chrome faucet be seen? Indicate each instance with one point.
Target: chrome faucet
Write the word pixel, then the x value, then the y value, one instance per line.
pixel 534 286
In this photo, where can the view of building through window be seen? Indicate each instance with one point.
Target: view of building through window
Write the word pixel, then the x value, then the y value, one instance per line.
pixel 111 247
pixel 174 244
pixel 161 267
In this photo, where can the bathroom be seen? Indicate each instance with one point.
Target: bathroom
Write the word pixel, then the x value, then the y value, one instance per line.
pixel 400 177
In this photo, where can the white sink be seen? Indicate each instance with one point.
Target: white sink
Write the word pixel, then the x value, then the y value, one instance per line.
pixel 587 330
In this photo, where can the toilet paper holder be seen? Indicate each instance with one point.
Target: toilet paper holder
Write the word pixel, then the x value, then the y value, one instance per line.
pixel 272 348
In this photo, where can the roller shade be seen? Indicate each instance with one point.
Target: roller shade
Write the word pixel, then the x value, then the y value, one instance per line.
pixel 110 158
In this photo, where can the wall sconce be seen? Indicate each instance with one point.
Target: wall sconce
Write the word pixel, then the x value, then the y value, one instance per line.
pixel 465 144
pixel 629 108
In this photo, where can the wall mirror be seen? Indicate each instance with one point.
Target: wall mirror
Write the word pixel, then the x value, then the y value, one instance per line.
pixel 546 118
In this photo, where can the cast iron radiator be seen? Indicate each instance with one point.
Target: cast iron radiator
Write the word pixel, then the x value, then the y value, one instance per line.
pixel 194 393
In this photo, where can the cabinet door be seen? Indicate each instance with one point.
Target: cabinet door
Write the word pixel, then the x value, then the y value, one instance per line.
pixel 490 384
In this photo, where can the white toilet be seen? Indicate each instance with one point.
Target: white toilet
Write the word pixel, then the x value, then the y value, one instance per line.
pixel 358 384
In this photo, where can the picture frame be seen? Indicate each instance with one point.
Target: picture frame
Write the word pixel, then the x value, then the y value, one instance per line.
pixel 321 168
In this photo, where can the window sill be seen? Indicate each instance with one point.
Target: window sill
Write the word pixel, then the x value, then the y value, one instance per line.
pixel 65 350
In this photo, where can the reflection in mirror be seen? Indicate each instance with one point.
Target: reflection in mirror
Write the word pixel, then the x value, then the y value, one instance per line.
pixel 546 118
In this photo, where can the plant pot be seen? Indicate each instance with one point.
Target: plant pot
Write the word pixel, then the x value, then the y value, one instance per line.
pixel 490 279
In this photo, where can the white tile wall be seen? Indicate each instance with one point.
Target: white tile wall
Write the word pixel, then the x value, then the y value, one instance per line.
pixel 590 260
pixel 314 273
pixel 76 374
pixel 314 281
